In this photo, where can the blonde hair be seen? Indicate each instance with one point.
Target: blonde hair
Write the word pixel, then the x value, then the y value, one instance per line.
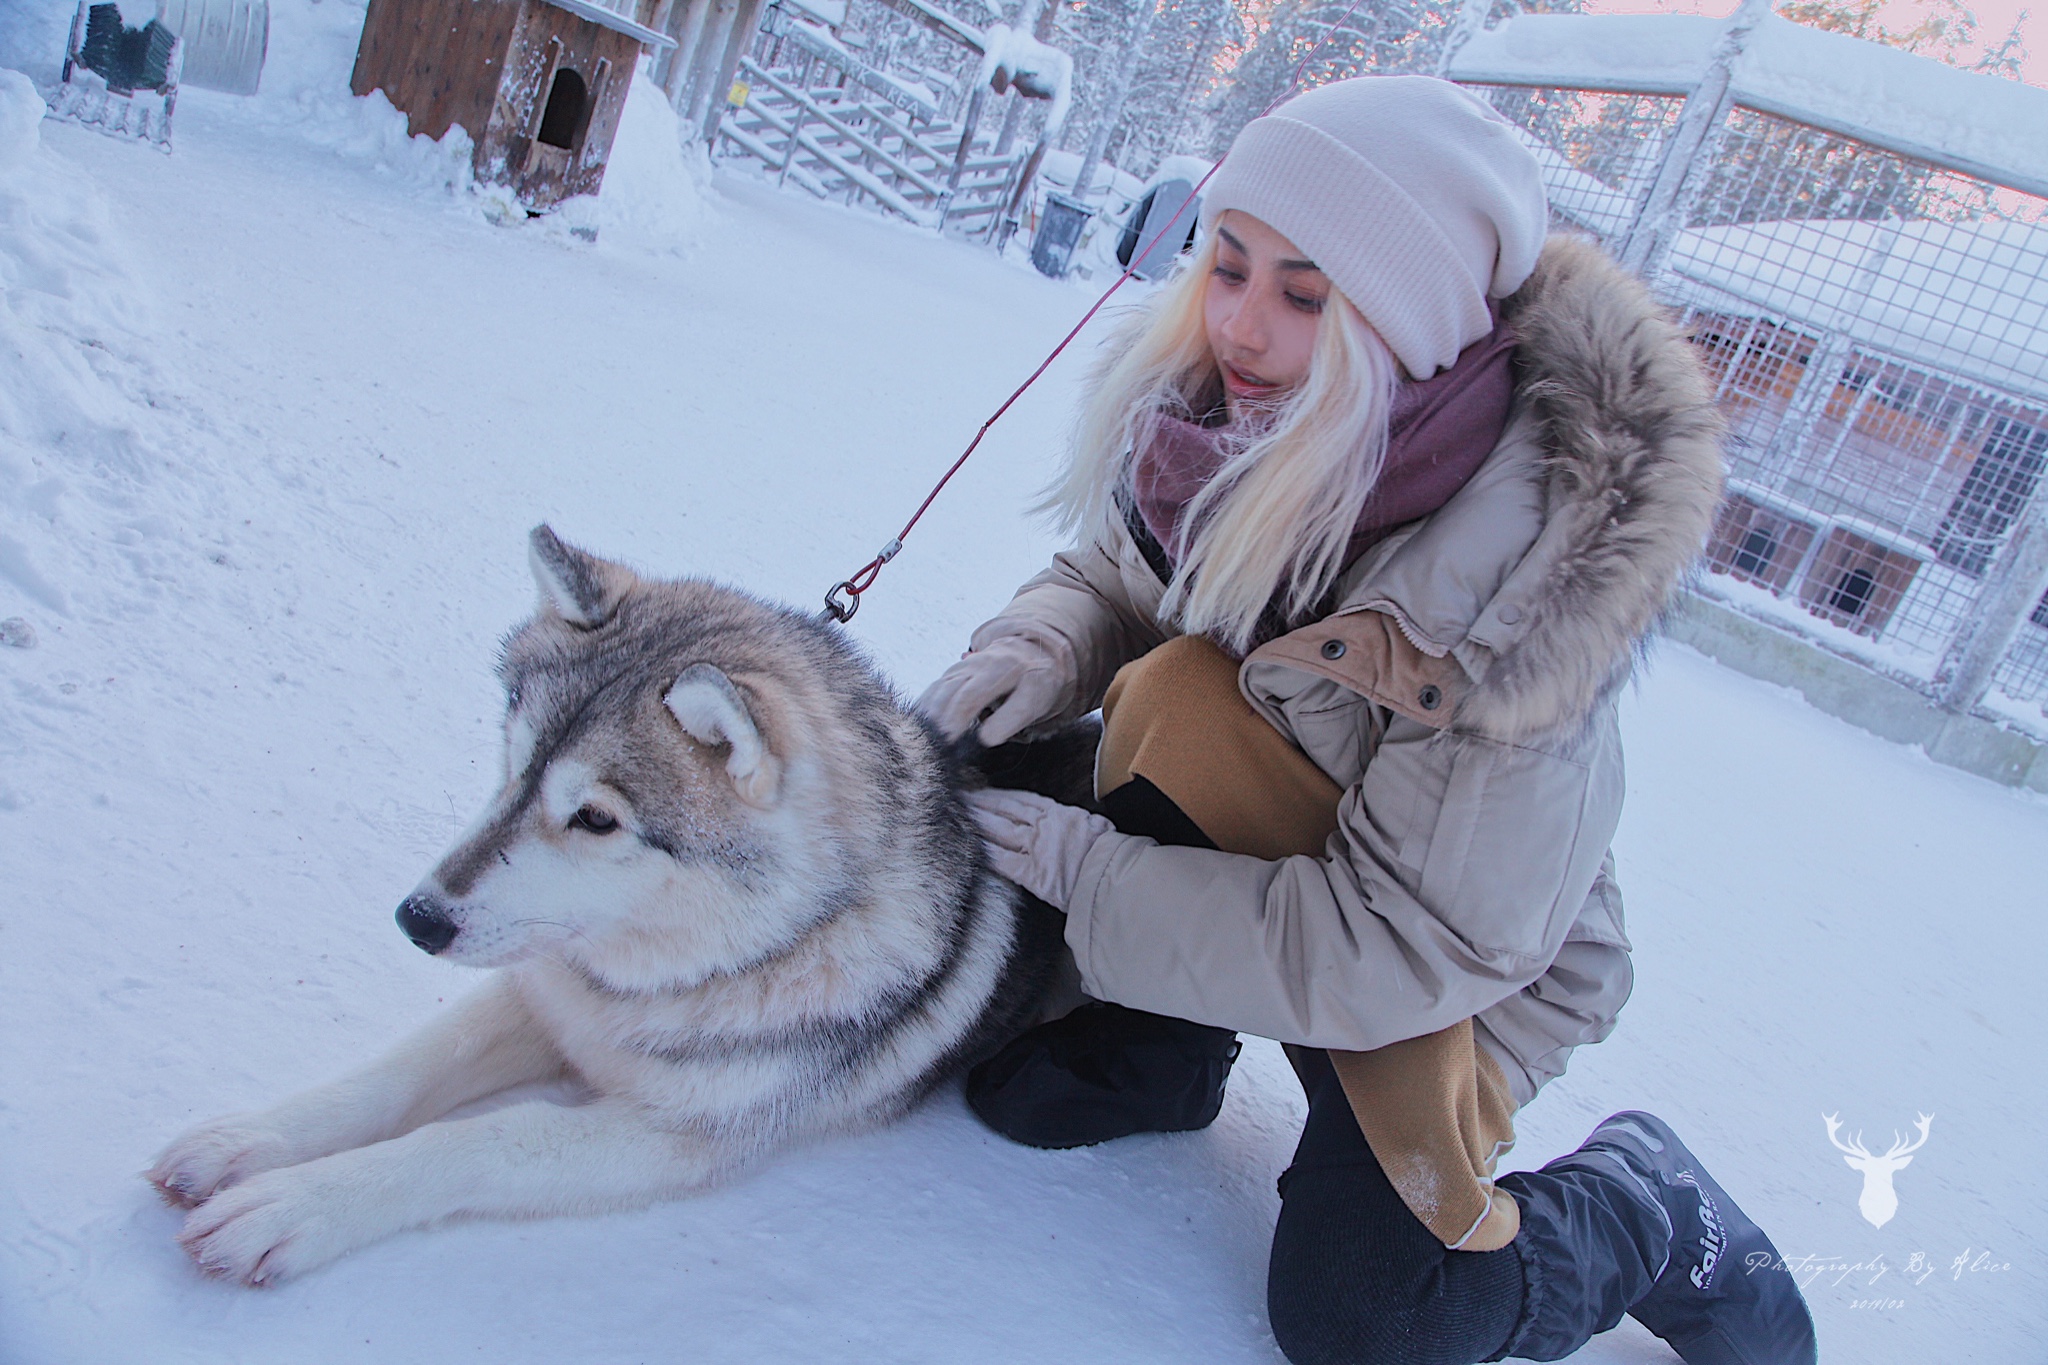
pixel 1272 525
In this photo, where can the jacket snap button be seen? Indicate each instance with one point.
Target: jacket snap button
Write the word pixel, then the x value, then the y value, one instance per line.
pixel 1509 615
pixel 1430 697
pixel 1333 649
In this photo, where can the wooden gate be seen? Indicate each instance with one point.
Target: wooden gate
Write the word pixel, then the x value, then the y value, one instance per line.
pixel 820 116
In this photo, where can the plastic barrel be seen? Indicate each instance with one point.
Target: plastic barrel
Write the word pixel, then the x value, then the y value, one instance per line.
pixel 225 41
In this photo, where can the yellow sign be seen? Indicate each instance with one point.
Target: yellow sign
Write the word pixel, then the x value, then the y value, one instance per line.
pixel 737 96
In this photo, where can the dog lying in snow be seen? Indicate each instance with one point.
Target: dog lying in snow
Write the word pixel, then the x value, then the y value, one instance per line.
pixel 729 886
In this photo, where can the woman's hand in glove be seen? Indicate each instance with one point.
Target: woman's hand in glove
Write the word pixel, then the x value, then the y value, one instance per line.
pixel 1014 674
pixel 1035 841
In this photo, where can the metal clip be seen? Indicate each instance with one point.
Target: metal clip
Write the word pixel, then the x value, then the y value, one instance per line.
pixel 838 610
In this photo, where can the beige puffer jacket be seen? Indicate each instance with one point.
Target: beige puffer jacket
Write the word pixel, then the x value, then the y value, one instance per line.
pixel 1463 692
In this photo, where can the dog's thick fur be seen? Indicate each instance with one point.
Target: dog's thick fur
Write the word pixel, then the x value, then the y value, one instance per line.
pixel 729 886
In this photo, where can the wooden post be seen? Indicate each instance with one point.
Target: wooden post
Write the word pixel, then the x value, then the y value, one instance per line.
pixel 686 26
pixel 796 128
pixel 969 121
pixel 2011 590
pixel 739 36
pixel 697 94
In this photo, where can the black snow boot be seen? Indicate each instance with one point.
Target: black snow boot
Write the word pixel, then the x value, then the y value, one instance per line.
pixel 1103 1072
pixel 1723 1296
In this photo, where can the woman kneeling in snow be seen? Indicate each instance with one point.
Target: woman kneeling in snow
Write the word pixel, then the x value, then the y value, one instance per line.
pixel 1374 505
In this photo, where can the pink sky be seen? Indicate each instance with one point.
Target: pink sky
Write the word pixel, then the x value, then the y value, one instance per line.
pixel 1995 16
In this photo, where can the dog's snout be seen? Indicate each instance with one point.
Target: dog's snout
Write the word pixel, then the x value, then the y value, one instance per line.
pixel 427 923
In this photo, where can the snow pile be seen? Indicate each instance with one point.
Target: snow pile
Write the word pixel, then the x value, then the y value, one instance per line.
pixel 32 34
pixel 653 192
pixel 1012 56
pixel 70 315
pixel 305 91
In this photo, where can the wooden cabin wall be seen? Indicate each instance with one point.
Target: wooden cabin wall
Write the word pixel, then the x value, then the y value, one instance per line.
pixel 438 60
pixel 546 39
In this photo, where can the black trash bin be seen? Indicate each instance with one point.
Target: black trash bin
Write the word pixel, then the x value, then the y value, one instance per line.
pixel 1059 228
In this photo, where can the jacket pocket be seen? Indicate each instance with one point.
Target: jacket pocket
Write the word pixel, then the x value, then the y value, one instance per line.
pixel 1500 836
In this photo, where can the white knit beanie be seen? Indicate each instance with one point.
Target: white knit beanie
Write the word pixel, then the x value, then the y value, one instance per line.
pixel 1415 198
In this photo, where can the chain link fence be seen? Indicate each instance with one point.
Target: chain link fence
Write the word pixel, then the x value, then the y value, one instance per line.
pixel 1876 328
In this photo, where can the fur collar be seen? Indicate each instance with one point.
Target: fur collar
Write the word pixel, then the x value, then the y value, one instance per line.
pixel 1632 468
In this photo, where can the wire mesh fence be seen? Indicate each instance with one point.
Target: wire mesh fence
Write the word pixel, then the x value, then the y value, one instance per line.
pixel 1876 328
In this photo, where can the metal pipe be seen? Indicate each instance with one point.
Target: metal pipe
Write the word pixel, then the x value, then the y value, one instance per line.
pixel 2016 583
pixel 1706 111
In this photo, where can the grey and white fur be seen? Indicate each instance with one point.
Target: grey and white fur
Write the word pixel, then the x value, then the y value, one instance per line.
pixel 728 887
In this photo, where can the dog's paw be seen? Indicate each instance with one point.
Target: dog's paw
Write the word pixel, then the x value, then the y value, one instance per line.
pixel 216 1155
pixel 274 1226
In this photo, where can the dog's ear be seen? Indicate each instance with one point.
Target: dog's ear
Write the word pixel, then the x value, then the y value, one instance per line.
pixel 712 711
pixel 580 588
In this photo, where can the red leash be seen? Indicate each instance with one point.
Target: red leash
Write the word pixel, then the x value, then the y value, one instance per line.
pixel 842 600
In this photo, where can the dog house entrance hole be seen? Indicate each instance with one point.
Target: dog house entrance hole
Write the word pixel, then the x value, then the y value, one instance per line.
pixel 568 107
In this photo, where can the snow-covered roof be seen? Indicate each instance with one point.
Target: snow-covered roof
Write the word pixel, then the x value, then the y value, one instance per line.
pixel 830 13
pixel 1586 200
pixel 1981 125
pixel 1965 299
pixel 616 21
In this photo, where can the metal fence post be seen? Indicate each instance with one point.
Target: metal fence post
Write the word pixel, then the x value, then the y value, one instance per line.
pixel 1662 216
pixel 2012 588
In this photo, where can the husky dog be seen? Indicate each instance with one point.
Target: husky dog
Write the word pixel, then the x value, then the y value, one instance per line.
pixel 731 889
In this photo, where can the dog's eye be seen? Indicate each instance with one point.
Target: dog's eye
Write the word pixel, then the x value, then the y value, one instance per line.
pixel 594 820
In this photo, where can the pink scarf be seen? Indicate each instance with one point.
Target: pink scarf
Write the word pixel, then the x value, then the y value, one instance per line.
pixel 1441 431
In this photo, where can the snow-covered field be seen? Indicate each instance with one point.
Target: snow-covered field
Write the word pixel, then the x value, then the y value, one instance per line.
pixel 275 414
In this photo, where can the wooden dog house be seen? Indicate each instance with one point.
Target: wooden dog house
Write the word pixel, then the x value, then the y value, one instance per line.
pixel 537 84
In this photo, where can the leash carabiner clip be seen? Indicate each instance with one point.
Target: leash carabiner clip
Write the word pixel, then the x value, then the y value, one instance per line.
pixel 838 609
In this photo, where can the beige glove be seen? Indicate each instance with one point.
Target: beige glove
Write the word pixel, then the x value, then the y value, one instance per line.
pixel 1035 841
pixel 1013 674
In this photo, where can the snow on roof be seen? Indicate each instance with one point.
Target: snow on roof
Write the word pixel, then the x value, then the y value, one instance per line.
pixel 1590 202
pixel 1978 124
pixel 1964 299
pixel 831 13
pixel 1180 166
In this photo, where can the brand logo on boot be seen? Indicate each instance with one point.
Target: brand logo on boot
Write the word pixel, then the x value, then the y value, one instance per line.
pixel 1713 1241
pixel 1878 1201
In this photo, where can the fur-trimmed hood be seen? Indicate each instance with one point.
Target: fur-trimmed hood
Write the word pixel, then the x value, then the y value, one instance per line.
pixel 1527 593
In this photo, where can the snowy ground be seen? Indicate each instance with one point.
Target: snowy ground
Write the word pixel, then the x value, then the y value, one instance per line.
pixel 279 411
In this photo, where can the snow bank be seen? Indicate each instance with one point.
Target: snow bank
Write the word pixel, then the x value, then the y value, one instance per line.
pixel 653 196
pixel 71 312
pixel 1914 105
pixel 1017 57
pixel 32 34
pixel 305 92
